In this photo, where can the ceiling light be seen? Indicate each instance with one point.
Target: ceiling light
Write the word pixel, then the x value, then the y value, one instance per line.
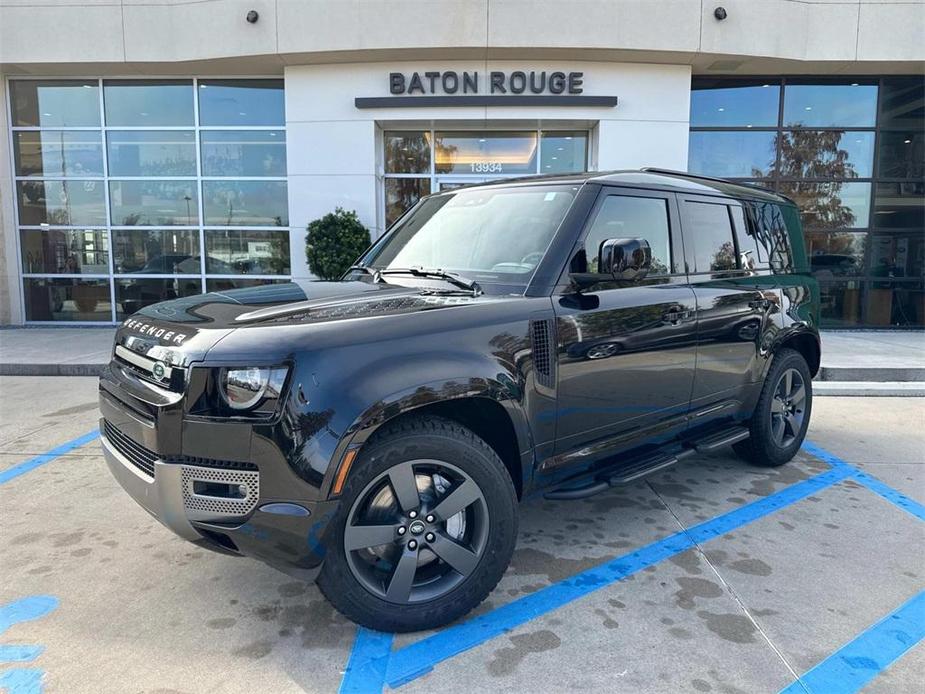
pixel 808 108
pixel 765 85
pixel 908 142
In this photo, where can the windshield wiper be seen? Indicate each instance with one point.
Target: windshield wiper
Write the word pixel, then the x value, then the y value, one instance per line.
pixel 451 277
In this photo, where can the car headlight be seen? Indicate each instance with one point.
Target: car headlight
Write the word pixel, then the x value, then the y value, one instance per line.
pixel 244 388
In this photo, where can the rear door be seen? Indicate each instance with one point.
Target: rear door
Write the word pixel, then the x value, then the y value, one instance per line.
pixel 626 349
pixel 734 302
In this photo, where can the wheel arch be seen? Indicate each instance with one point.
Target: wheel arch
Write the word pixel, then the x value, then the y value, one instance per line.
pixel 807 344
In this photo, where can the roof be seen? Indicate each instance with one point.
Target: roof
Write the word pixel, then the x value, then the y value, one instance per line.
pixel 656 179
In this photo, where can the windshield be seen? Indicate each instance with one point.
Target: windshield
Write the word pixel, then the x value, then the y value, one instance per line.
pixel 491 235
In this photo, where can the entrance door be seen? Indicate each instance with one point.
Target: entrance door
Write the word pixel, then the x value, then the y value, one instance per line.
pixel 626 349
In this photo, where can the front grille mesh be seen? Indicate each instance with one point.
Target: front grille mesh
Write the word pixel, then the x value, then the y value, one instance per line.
pixel 139 456
pixel 241 475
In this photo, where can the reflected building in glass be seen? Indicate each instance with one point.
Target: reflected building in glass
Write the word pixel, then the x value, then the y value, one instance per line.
pixel 851 154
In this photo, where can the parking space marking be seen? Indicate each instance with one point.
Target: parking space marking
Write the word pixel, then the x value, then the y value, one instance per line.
pixel 39 460
pixel 368 659
pixel 23 680
pixel 856 663
pixel 419 658
pixel 887 492
pixel 416 659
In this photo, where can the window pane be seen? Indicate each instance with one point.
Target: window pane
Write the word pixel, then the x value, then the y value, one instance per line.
pixel 709 228
pixel 156 251
pixel 902 154
pixel 243 153
pixel 65 251
pixel 485 153
pixel 564 152
pixel 740 103
pixel 898 255
pixel 830 104
pixel 67 299
pixel 55 103
pixel 66 203
pixel 247 252
pixel 407 152
pixel 246 203
pixel 836 254
pixel 841 303
pixel 826 154
pixel 153 203
pixel 241 102
pixel 624 217
pixel 151 153
pixel 834 205
pixel 58 153
pixel 134 295
pixel 732 154
pixel 898 303
pixel 401 194
pixel 900 205
pixel 223 284
pixel 148 102
pixel 769 236
pixel 902 103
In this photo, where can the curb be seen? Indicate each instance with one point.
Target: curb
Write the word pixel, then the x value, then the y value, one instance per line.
pixel 877 374
pixel 51 369
pixel 885 389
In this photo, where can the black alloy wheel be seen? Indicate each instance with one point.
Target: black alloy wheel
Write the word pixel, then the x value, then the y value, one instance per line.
pixel 416 531
pixel 426 526
pixel 781 417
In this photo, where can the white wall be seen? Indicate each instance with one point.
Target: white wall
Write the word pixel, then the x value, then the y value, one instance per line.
pixel 332 145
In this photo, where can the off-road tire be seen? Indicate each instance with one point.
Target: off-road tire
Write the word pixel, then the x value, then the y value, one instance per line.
pixel 425 437
pixel 761 448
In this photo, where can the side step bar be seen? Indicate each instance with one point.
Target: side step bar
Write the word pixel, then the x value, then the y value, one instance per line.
pixel 646 466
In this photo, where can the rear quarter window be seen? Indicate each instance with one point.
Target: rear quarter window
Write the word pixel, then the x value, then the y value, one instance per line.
pixel 772 232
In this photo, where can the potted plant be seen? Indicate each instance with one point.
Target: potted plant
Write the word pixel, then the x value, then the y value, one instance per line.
pixel 334 242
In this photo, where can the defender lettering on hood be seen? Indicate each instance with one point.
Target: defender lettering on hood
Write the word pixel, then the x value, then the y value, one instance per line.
pixel 143 328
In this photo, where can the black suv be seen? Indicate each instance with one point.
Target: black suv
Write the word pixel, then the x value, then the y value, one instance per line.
pixel 553 336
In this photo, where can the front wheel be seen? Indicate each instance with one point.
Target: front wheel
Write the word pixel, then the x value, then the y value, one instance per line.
pixel 778 425
pixel 426 527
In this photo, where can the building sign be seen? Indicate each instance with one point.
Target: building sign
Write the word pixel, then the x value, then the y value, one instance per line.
pixel 495 88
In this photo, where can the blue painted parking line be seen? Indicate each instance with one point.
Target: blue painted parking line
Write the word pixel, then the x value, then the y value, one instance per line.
pixel 894 497
pixel 368 659
pixel 858 662
pixel 23 680
pixel 412 661
pixel 39 460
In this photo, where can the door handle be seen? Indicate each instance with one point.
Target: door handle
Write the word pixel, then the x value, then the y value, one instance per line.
pixel 675 317
pixel 760 304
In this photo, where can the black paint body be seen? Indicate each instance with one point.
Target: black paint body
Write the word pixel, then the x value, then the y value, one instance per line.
pixel 630 367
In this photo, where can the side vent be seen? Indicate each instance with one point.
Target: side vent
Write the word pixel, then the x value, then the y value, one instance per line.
pixel 541 332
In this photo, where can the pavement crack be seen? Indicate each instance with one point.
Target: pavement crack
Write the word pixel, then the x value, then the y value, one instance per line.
pixel 730 590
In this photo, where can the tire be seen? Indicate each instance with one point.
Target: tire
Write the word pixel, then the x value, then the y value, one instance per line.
pixel 778 425
pixel 454 558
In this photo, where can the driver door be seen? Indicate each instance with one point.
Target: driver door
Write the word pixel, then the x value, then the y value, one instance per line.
pixel 626 350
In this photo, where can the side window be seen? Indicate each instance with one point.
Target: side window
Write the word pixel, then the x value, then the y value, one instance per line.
pixel 625 217
pixel 708 230
pixel 750 255
pixel 768 233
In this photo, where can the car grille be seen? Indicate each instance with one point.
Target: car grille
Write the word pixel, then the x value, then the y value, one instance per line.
pixel 138 455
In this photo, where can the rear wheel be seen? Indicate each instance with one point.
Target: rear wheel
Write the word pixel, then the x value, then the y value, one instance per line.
pixel 778 425
pixel 426 527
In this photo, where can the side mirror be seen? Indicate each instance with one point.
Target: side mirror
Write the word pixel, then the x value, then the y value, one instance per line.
pixel 626 259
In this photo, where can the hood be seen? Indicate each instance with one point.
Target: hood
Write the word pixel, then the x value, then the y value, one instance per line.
pixel 183 330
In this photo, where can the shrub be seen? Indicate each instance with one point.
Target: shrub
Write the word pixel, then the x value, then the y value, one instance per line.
pixel 334 242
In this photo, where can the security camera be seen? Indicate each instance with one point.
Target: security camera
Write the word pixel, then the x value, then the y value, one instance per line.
pixel 720 13
pixel 252 17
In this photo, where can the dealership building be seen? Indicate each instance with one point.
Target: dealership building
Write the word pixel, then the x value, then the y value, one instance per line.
pixel 160 148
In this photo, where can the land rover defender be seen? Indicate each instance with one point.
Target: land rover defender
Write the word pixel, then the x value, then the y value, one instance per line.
pixel 551 336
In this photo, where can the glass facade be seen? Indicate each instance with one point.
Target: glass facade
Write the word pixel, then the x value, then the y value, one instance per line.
pixel 129 192
pixel 420 162
pixel 851 154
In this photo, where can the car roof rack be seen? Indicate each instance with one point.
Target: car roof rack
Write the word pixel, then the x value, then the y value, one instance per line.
pixel 686 174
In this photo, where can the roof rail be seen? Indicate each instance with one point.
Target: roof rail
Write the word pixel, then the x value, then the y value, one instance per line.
pixel 685 174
